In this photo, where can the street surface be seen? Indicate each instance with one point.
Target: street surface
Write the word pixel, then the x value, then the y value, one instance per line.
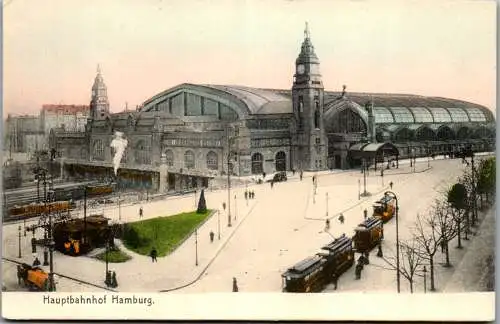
pixel 278 228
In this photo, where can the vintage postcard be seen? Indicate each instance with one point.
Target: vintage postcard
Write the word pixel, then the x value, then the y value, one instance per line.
pixel 211 160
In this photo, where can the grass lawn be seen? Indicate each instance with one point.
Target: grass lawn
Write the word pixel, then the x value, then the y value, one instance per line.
pixel 162 233
pixel 114 256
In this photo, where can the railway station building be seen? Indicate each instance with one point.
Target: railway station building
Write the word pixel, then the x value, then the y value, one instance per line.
pixel 190 134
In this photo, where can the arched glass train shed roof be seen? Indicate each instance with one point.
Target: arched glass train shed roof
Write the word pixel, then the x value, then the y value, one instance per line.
pixel 413 109
pixel 388 108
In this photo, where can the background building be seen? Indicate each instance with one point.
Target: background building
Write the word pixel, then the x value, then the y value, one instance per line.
pixel 186 135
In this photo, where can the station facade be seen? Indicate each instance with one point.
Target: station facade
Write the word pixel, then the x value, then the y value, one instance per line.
pixel 191 133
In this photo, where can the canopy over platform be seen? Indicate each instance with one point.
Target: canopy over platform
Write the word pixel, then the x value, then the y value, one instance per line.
pixel 373 150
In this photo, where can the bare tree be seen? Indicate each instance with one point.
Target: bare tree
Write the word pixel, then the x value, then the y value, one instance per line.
pixel 445 226
pixel 410 260
pixel 428 239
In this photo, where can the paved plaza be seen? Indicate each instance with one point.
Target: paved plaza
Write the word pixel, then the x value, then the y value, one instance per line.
pixel 270 233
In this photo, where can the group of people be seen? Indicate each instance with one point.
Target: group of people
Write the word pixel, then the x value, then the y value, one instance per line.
pixel 362 261
pixel 249 194
pixel 111 279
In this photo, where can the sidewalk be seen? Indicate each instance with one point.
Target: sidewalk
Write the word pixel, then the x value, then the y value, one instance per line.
pixel 472 273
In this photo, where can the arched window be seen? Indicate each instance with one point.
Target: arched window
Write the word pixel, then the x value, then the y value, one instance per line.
pixel 280 161
pixel 189 160
pixel 142 153
pixel 169 157
pixel 212 160
pixel 83 153
pixel 257 163
pixel 444 133
pixel 463 133
pixel 316 118
pixel 98 150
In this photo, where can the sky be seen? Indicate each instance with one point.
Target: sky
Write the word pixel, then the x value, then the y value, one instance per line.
pixel 434 48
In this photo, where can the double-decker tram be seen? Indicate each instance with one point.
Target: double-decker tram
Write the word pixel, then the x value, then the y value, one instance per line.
pixel 368 234
pixel 314 273
pixel 385 208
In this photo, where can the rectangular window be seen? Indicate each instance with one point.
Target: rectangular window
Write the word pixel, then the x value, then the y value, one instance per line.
pixel 318 140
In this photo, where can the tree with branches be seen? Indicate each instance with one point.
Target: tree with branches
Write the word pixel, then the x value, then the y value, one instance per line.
pixel 410 261
pixel 445 226
pixel 428 240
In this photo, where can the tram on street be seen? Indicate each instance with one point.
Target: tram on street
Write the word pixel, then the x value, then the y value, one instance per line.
pixel 368 234
pixel 385 208
pixel 314 273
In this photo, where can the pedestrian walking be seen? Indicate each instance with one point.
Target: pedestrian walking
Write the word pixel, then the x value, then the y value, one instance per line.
pixel 224 206
pixel 36 262
pixel 367 257
pixel 153 255
pixel 140 212
pixel 365 213
pixel 314 179
pixel 212 236
pixel 335 280
pixel 359 267
pixel 235 285
pixel 301 174
pixel 246 194
pixel 327 225
pixel 253 194
pixel 391 184
pixel 341 219
pixel 114 282
pixel 379 252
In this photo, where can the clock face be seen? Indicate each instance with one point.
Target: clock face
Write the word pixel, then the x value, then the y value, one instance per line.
pixel 300 69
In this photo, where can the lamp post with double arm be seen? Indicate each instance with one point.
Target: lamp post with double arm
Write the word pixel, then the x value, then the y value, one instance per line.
pixel 398 273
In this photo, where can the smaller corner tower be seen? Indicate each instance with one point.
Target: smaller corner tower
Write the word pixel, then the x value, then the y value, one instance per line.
pixel 310 144
pixel 99 104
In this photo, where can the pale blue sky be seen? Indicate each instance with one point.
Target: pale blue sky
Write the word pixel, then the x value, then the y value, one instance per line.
pixel 52 48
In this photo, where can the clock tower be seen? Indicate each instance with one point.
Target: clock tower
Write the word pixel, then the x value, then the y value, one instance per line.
pixel 99 104
pixel 310 142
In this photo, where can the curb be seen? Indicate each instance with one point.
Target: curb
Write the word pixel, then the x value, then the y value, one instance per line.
pixel 213 258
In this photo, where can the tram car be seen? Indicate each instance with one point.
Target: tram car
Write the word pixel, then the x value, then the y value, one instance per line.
pixel 37 209
pixel 368 234
pixel 314 273
pixel 385 208
pixel 33 277
pixel 68 235
pixel 77 192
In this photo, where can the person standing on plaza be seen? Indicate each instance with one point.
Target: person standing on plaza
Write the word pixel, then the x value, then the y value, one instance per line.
pixel 335 280
pixel 235 285
pixel 327 224
pixel 141 212
pixel 365 213
pixel 212 236
pixel 36 262
pixel 341 218
pixel 301 174
pixel 246 194
pixel 153 255
pixel 391 184
pixel 224 206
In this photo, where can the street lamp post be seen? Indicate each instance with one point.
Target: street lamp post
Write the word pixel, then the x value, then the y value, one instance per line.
pixel 235 210
pixel 196 245
pixel 425 279
pixel 398 273
pixel 327 205
pixel 19 230
pixel 218 222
